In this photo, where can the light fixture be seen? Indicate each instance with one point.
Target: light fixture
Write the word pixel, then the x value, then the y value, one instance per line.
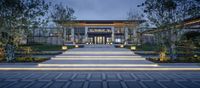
pixel 76 46
pixel 133 48
pixel 122 46
pixel 64 47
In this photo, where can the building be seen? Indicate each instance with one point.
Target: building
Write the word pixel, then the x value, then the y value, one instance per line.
pixel 154 35
pixel 89 32
pixel 102 31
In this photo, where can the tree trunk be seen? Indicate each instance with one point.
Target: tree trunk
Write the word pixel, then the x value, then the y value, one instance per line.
pixel 173 51
pixel 9 52
pixel 1 53
pixel 172 45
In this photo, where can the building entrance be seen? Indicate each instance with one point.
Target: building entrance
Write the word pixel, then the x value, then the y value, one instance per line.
pixel 99 39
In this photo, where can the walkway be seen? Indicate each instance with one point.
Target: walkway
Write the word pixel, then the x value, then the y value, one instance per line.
pixel 104 56
pixel 84 79
pixel 99 58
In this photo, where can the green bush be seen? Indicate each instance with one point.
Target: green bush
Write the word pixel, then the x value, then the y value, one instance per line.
pixel 148 47
pixel 20 59
pixel 40 59
pixel 43 47
pixel 30 59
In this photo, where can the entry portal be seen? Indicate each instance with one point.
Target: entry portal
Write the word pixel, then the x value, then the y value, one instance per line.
pixel 99 38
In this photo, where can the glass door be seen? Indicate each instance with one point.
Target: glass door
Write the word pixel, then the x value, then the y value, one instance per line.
pixel 99 40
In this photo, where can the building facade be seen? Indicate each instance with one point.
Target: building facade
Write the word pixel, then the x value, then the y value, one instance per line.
pixel 154 35
pixel 102 31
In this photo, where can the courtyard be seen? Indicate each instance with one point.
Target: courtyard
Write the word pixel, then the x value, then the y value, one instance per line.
pixel 99 44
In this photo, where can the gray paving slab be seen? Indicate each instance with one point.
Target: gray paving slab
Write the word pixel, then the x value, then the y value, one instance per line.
pixel 97 62
pixel 100 79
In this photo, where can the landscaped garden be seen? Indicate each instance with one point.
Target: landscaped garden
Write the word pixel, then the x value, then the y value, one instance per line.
pixel 34 53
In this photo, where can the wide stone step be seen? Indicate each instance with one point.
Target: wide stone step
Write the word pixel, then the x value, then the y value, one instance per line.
pixel 99 49
pixel 102 63
pixel 97 52
pixel 97 58
pixel 87 56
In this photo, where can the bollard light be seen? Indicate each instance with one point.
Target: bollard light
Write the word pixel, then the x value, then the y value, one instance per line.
pixel 64 47
pixel 76 46
pixel 133 48
pixel 195 56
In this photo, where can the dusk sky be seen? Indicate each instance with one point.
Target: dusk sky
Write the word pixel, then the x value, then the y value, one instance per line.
pixel 101 9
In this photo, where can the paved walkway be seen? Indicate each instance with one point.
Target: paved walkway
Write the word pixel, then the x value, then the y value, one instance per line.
pixel 107 59
pixel 103 56
pixel 84 79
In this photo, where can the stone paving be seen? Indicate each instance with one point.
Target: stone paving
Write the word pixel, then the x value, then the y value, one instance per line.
pixel 99 56
pixel 99 79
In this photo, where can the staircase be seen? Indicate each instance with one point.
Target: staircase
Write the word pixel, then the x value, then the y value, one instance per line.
pixel 98 56
pixel 99 46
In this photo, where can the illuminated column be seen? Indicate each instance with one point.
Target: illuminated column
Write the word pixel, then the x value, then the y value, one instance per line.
pixel 64 35
pixel 135 36
pixel 72 34
pixel 126 33
pixel 113 34
pixel 86 35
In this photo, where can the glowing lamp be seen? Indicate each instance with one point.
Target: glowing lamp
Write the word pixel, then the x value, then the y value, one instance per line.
pixel 76 46
pixel 64 47
pixel 133 48
pixel 122 46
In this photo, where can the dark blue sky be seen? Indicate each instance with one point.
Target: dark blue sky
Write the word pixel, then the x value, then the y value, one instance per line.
pixel 101 9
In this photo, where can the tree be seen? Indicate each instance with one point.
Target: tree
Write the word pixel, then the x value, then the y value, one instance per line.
pixel 63 16
pixel 133 15
pixel 16 19
pixel 167 15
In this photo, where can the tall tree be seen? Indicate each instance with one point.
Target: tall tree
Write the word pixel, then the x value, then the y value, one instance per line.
pixel 132 25
pixel 63 16
pixel 17 18
pixel 167 14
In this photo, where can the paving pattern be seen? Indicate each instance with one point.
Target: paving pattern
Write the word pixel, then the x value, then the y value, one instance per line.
pixel 99 79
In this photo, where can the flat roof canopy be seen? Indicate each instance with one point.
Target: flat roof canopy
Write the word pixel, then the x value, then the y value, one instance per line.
pixel 115 23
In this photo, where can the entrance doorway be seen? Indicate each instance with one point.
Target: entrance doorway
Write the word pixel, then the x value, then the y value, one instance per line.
pixel 99 39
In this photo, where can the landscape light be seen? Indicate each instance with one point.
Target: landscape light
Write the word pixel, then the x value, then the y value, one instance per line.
pixel 76 46
pixel 133 48
pixel 64 47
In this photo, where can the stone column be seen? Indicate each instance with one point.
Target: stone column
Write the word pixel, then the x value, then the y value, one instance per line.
pixel 64 35
pixel 113 33
pixel 86 35
pixel 135 36
pixel 126 33
pixel 72 34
